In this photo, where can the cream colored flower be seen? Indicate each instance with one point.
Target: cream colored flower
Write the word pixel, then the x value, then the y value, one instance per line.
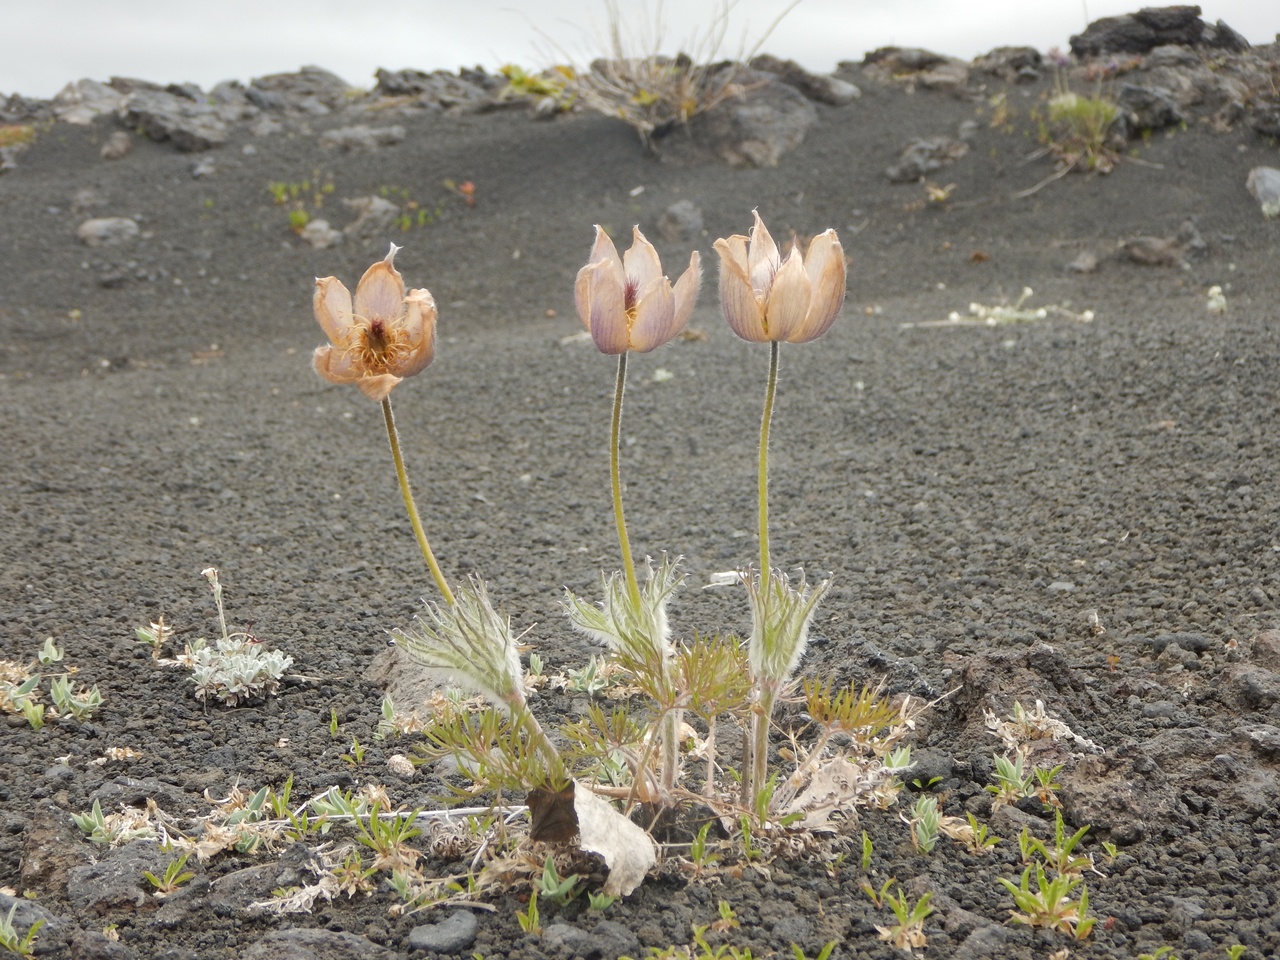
pixel 766 298
pixel 388 334
pixel 626 302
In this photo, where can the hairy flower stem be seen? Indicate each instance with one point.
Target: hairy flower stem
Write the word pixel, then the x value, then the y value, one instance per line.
pixel 758 754
pixel 394 439
pixel 763 483
pixel 671 720
pixel 615 474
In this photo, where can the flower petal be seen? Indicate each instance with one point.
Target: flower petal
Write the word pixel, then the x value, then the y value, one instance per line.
pixel 654 323
pixel 420 328
pixel 738 300
pixel 602 306
pixel 788 302
pixel 826 270
pixel 377 388
pixel 641 263
pixel 604 255
pixel 332 365
pixel 764 259
pixel 332 306
pixel 686 291
pixel 380 292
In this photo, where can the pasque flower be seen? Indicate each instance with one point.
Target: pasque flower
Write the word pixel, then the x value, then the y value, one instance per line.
pixel 385 336
pixel 767 298
pixel 627 302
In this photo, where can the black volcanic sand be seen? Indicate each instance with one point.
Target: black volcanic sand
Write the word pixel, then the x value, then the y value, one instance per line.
pixel 974 493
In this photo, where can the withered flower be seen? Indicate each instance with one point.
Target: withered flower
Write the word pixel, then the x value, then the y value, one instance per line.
pixel 766 298
pixel 626 302
pixel 386 336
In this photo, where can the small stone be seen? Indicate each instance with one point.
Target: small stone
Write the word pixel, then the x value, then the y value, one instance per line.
pixel 1085 263
pixel 118 145
pixel 107 231
pixel 1264 184
pixel 204 167
pixel 361 137
pixel 1061 586
pixel 455 933
pixel 320 235
pixel 680 221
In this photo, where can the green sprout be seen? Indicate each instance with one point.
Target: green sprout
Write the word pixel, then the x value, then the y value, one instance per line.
pixel 553 887
pixel 908 933
pixel 530 921
pixel 50 653
pixel 174 876
pixel 23 946
pixel 1047 903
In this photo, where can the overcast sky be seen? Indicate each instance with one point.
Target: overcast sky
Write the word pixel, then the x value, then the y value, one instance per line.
pixel 51 42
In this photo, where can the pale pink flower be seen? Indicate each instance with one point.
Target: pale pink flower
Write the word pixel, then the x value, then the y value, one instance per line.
pixel 766 298
pixel 385 336
pixel 626 302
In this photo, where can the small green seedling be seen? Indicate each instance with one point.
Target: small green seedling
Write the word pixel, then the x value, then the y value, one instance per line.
pixel 867 851
pixel 81 704
pixel 908 933
pixel 22 946
pixel 50 653
pixel 174 876
pixel 1047 904
pixel 154 636
pixel 550 885
pixel 600 902
pixel 529 920
pixel 925 823
pixel 823 954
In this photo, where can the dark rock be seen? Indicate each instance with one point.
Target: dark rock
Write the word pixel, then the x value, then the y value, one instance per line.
pixel 1013 64
pixel 1154 27
pixel 312 90
pixel 190 91
pixel 50 848
pixel 440 87
pixel 305 943
pixel 1122 793
pixel 753 129
pixel 454 934
pixel 1149 107
pixel 163 116
pixel 922 157
pixel 1246 686
pixel 94 945
pixel 1195 642
pixel 85 100
pixel 989 941
pixel 820 87
pixel 917 67
pixel 115 882
pixel 606 940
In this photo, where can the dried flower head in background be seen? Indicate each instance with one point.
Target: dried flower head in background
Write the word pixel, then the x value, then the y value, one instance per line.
pixel 385 336
pixel 626 302
pixel 766 298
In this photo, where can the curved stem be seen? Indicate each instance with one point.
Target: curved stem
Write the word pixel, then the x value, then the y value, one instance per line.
pixel 394 439
pixel 628 565
pixel 763 483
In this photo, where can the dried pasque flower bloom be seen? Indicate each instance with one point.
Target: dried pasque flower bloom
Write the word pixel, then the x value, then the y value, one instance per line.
pixel 766 298
pixel 385 336
pixel 626 302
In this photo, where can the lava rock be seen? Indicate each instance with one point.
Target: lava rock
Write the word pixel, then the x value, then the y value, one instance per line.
pixel 454 934
pixel 107 231
pixel 822 88
pixel 922 157
pixel 1264 184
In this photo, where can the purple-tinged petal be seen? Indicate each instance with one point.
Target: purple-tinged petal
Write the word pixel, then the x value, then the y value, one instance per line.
pixel 654 322
pixel 603 249
pixel 380 292
pixel 686 291
pixel 764 259
pixel 641 262
pixel 826 270
pixel 332 306
pixel 605 307
pixel 788 302
pixel 738 300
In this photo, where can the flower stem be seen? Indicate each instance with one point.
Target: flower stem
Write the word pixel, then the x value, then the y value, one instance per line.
pixel 394 439
pixel 628 565
pixel 765 420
